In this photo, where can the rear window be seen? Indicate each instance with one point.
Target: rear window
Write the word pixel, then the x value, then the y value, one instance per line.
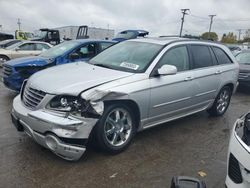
pixel 201 56
pixel 221 56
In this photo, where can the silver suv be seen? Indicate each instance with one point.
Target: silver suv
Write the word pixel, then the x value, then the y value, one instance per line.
pixel 131 86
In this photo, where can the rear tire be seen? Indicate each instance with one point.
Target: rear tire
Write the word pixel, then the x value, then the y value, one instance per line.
pixel 115 129
pixel 221 102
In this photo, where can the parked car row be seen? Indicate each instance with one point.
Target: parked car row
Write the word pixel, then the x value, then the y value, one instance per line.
pixel 17 70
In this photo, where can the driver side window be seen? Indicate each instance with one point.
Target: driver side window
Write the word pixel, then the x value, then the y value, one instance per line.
pixel 86 51
pixel 176 56
pixel 27 47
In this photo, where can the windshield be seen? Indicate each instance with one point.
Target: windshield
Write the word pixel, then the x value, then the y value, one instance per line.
pixel 41 34
pixel 29 35
pixel 128 56
pixel 125 35
pixel 243 58
pixel 60 49
pixel 11 47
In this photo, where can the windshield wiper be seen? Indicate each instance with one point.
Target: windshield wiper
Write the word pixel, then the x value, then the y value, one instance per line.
pixel 103 65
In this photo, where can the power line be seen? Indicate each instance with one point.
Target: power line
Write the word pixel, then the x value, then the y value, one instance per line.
pixel 183 11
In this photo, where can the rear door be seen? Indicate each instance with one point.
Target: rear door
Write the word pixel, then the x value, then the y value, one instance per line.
pixel 206 74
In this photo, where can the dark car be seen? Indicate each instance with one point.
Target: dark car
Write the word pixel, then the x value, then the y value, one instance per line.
pixel 243 59
pixel 17 70
pixel 9 42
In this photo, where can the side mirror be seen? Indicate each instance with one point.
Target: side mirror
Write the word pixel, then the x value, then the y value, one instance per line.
pixel 167 70
pixel 17 48
pixel 74 56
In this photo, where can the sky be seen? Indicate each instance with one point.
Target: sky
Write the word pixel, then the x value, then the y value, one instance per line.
pixel 159 17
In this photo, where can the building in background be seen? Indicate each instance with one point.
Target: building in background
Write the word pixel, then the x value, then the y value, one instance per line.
pixel 70 32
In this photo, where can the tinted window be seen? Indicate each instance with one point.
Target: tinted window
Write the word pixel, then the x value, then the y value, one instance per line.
pixel 177 56
pixel 104 45
pixel 201 56
pixel 27 46
pixel 41 47
pixel 221 56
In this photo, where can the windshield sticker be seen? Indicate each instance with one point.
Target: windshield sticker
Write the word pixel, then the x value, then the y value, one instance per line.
pixel 129 65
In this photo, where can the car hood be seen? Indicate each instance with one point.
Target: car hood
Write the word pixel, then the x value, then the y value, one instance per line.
pixel 73 78
pixel 29 61
pixel 244 67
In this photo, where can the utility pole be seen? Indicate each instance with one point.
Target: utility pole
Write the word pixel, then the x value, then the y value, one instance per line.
pixel 183 11
pixel 19 23
pixel 239 33
pixel 211 22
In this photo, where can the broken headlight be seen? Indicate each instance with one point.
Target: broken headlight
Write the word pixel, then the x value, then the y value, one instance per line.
pixel 76 106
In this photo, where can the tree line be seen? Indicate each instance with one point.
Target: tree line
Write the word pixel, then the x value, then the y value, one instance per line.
pixel 229 38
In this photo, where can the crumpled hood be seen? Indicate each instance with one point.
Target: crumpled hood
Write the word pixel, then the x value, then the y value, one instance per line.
pixel 29 61
pixel 245 67
pixel 73 78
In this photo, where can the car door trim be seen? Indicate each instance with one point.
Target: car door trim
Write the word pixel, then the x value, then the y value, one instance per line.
pixel 175 117
pixel 171 102
pixel 205 93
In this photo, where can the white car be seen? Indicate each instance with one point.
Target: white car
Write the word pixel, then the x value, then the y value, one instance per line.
pixel 22 49
pixel 238 170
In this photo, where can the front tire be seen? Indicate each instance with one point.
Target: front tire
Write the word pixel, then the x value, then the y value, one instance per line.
pixel 221 102
pixel 115 129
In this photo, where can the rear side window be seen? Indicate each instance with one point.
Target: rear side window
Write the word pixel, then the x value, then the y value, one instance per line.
pixel 221 56
pixel 201 56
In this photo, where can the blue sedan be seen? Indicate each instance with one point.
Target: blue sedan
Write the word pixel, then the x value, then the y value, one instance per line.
pixel 17 70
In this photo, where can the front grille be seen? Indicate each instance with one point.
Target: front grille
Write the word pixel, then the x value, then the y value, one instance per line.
pixel 7 70
pixel 32 97
pixel 234 171
pixel 243 75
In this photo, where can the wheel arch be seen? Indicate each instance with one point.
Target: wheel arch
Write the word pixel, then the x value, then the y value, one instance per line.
pixel 4 55
pixel 132 105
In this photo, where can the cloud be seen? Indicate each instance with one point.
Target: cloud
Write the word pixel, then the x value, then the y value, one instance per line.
pixel 160 17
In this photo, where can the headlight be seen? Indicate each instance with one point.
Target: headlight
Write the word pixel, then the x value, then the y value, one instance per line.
pixel 76 106
pixel 64 103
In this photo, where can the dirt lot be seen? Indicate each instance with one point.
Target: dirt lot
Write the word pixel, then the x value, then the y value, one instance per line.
pixel 183 147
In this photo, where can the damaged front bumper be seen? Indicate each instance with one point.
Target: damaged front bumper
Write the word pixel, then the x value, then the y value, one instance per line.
pixel 62 135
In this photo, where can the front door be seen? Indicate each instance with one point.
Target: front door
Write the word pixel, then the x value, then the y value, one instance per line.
pixel 172 95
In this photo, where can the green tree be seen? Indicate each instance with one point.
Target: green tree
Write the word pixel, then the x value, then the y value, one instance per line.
pixel 210 36
pixel 229 38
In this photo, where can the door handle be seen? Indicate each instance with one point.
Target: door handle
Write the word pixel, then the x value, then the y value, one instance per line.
pixel 189 78
pixel 218 72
